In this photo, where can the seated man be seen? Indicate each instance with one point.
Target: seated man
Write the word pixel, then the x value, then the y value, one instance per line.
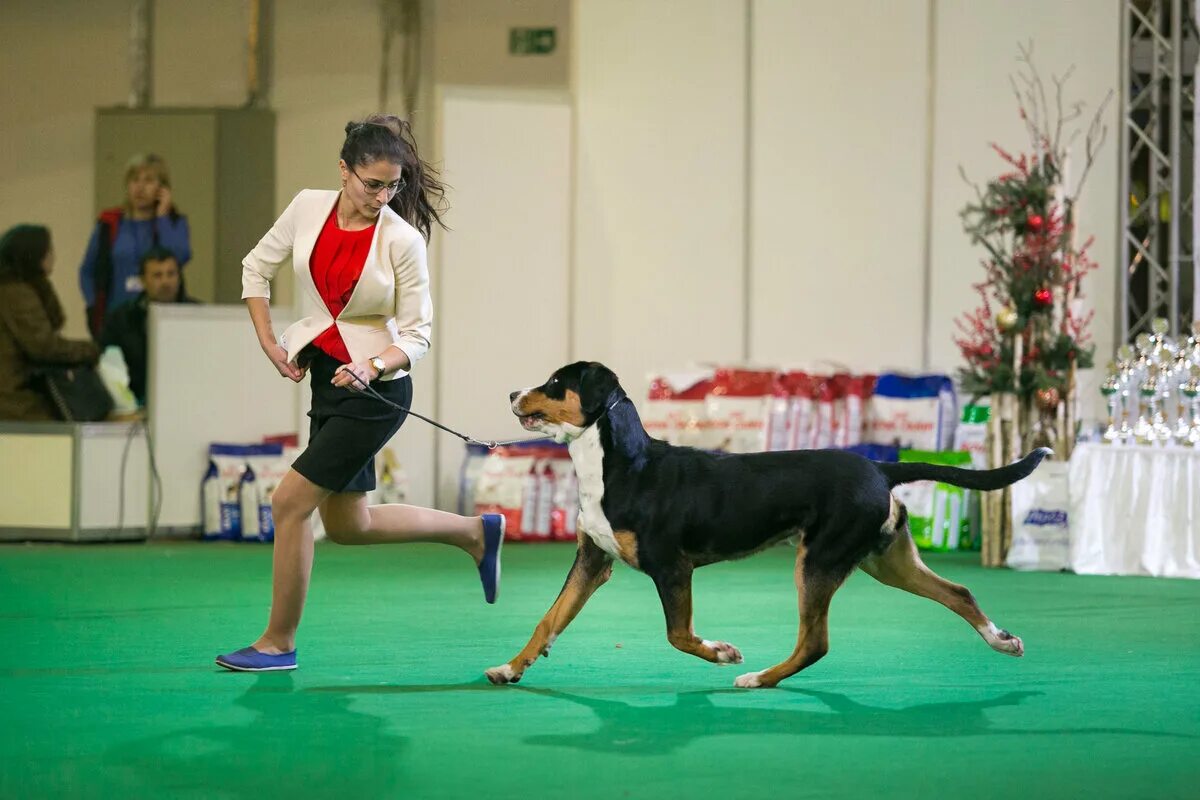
pixel 126 325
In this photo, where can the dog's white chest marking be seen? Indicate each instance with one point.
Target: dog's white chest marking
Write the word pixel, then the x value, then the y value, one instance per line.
pixel 588 457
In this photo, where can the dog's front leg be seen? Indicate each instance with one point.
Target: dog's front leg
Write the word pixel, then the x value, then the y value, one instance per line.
pixel 675 590
pixel 591 569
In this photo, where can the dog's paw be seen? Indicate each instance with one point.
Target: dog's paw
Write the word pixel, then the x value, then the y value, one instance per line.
pixel 502 674
pixel 1002 641
pixel 751 680
pixel 726 653
pixel 1011 646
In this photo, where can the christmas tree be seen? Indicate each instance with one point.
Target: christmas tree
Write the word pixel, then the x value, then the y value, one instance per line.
pixel 1029 333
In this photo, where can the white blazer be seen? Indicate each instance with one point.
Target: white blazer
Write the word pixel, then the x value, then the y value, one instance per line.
pixel 390 304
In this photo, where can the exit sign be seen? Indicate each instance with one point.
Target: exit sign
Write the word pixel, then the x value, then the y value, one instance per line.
pixel 531 41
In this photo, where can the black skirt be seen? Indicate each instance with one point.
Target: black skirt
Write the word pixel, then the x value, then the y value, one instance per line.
pixel 347 428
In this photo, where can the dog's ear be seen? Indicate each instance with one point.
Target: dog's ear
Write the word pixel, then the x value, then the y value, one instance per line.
pixel 596 383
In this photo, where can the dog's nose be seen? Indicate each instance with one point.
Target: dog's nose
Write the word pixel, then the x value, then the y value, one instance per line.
pixel 512 396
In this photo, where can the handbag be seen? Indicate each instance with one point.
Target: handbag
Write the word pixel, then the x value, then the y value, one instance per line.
pixel 77 392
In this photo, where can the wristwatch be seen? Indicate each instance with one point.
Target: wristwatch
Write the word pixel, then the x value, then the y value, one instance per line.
pixel 379 365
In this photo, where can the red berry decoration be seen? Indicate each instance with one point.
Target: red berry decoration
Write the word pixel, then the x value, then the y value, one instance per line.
pixel 1042 297
pixel 1035 222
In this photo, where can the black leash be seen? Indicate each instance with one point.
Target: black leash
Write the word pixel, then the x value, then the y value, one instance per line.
pixel 490 445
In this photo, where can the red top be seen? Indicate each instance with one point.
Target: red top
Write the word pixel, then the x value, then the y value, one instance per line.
pixel 337 263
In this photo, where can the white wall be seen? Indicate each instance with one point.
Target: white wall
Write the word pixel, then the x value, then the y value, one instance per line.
pixel 838 182
pixel 976 50
pixel 503 300
pixel 659 236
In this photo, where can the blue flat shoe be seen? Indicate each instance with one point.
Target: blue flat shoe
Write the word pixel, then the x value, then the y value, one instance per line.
pixel 250 660
pixel 489 567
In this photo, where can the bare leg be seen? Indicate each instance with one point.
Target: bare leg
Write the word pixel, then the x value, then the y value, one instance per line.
pixel 349 520
pixel 292 507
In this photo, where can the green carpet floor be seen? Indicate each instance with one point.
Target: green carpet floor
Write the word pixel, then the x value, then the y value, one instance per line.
pixel 107 686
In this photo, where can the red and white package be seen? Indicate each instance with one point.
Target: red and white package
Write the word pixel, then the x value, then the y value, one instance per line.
pixel 851 394
pixel 501 487
pixel 675 408
pixel 824 400
pixel 801 410
pixel 564 515
pixel 738 407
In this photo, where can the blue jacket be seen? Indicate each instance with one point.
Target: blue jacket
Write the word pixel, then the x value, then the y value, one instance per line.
pixel 133 239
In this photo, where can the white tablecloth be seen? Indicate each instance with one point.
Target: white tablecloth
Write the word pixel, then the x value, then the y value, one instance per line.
pixel 1135 510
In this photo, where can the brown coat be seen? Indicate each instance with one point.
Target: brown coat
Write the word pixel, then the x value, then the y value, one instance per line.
pixel 27 338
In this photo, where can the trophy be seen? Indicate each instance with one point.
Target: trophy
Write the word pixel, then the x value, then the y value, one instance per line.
pixel 1126 398
pixel 1179 379
pixel 1191 391
pixel 1143 429
pixel 1111 389
pixel 1160 430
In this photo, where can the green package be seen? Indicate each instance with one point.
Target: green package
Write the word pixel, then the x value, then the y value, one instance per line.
pixel 938 514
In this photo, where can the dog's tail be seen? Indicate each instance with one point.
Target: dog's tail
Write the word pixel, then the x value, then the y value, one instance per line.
pixel 983 479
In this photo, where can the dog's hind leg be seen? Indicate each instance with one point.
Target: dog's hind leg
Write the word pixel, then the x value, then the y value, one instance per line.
pixel 900 565
pixel 675 591
pixel 592 568
pixel 815 589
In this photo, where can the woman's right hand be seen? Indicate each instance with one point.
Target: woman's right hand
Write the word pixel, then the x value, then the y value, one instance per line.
pixel 279 358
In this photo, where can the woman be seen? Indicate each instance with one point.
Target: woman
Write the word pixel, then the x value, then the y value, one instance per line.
pixel 359 260
pixel 30 320
pixel 110 273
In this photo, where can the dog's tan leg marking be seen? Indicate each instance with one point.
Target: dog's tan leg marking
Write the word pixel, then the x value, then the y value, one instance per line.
pixel 675 591
pixel 627 547
pixel 901 566
pixel 814 591
pixel 592 568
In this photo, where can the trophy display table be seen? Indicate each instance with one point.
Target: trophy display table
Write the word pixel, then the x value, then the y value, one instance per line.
pixel 1135 510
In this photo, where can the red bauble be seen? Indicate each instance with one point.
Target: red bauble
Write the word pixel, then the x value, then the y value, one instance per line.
pixel 1035 222
pixel 1042 297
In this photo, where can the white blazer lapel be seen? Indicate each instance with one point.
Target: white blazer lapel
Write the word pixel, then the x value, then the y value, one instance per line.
pixel 307 232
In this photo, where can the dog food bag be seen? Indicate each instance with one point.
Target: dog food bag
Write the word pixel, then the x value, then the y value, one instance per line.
pixel 675 408
pixel 221 493
pixel 266 464
pixel 779 432
pixel 851 393
pixel 564 517
pixel 802 389
pixel 912 412
pixel 391 479
pixel 468 477
pixel 937 512
pixel 508 478
pixel 971 434
pixel 210 503
pixel 738 408
pixel 1041 538
pixel 823 414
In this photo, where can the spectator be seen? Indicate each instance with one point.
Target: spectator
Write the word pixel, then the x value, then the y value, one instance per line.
pixel 126 326
pixel 30 320
pixel 110 273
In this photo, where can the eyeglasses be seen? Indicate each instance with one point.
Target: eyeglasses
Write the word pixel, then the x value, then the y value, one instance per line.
pixel 374 187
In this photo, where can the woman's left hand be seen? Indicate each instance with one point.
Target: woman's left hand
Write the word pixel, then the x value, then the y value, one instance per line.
pixel 345 375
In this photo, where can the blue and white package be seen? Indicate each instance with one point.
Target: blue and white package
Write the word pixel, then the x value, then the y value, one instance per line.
pixel 266 464
pixel 912 412
pixel 221 491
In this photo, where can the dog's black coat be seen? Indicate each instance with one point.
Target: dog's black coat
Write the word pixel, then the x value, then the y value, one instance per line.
pixel 704 507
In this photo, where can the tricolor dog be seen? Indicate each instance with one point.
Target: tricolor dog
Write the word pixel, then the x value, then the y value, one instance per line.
pixel 666 510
